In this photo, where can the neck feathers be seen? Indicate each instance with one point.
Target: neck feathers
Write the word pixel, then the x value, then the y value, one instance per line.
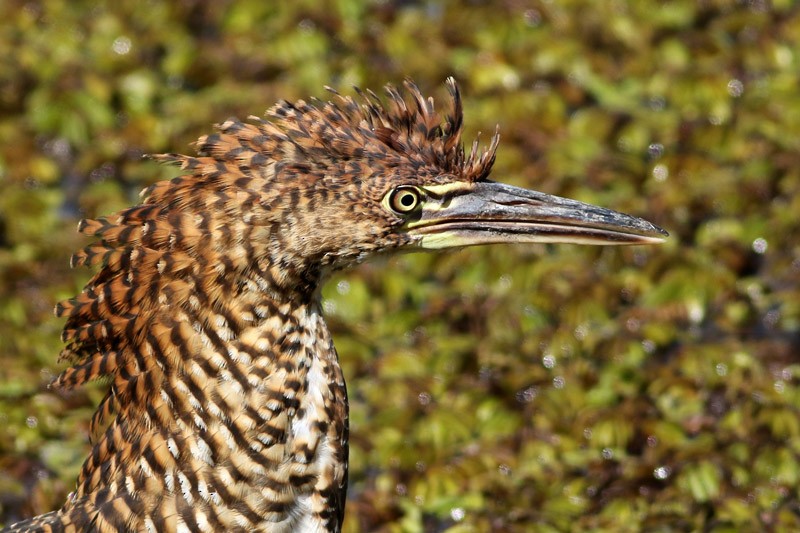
pixel 227 407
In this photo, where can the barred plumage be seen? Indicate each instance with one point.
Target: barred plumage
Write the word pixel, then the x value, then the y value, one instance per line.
pixel 227 407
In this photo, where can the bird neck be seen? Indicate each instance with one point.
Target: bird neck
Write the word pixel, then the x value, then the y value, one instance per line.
pixel 237 411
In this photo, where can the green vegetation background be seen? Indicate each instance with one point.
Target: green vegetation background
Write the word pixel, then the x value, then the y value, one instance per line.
pixel 502 389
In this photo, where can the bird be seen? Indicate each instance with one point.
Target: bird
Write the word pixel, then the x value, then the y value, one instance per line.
pixel 226 406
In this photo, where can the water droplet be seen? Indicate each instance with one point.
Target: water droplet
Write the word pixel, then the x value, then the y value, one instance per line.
pixel 306 25
pixel 771 318
pixel 626 294
pixel 652 441
pixel 581 331
pixel 424 398
pixel 549 361
pixel 527 395
pixel 754 291
pixel 457 514
pixel 504 469
pixel 695 312
pixel 735 88
pixel 505 281
pixel 343 287
pixel 660 172
pixel 558 382
pixel 657 103
pixel 472 449
pixel 608 453
pixel 760 245
pixel 122 45
pixel 420 466
pixel 532 17
pixel 31 422
pixel 780 387
pixel 655 150
pixel 721 369
pixel 587 433
pixel 401 489
pixel 662 472
pixel 648 346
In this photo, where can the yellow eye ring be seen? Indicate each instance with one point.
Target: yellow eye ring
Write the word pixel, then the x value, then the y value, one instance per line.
pixel 404 200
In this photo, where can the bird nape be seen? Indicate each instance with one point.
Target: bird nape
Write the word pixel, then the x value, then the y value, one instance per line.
pixel 227 407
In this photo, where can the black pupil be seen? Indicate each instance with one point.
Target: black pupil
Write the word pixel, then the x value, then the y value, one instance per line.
pixel 407 200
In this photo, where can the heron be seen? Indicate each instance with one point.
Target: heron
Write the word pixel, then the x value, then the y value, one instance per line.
pixel 226 406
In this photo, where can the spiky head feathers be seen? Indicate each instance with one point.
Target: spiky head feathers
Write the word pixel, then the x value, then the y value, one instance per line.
pixel 321 170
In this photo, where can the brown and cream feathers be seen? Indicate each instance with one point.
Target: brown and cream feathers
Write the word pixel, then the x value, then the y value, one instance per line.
pixel 227 407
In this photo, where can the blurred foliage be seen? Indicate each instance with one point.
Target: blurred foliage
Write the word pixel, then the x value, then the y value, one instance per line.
pixel 503 389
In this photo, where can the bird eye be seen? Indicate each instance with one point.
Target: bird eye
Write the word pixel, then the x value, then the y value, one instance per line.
pixel 404 199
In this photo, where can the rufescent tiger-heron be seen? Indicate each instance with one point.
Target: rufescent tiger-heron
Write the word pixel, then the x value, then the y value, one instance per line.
pixel 227 408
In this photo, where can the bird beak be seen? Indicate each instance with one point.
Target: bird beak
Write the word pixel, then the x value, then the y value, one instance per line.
pixel 486 212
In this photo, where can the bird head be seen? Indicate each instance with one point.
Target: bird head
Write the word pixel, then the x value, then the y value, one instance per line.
pixel 323 185
pixel 396 176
